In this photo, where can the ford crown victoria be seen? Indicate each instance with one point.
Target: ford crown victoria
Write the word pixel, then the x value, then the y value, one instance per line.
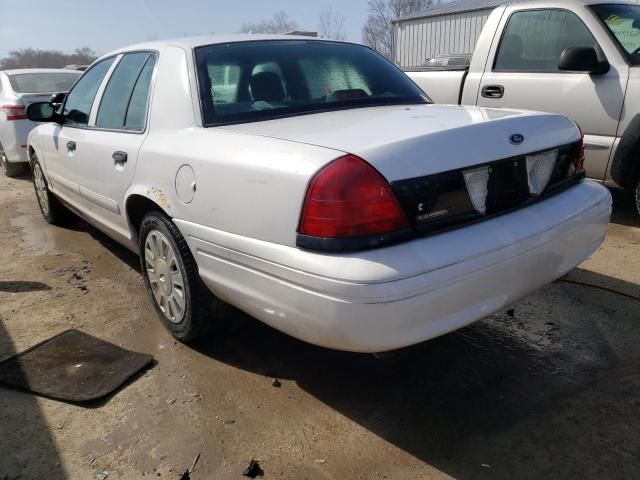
pixel 314 186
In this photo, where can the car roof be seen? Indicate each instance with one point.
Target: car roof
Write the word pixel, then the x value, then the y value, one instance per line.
pixel 16 71
pixel 203 40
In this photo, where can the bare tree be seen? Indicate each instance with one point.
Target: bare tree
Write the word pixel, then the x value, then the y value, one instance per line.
pixel 279 23
pixel 31 58
pixel 331 24
pixel 378 31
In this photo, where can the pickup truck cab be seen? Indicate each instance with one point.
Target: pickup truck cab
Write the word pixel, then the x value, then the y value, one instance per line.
pixel 579 58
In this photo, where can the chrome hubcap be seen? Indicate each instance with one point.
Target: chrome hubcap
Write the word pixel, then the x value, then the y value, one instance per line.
pixel 3 158
pixel 165 276
pixel 41 189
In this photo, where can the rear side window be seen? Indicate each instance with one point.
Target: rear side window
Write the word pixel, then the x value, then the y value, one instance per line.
pixel 80 99
pixel 534 40
pixel 128 87
pixel 137 111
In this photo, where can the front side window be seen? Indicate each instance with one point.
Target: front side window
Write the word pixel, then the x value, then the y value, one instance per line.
pixel 77 106
pixel 623 21
pixel 42 83
pixel 251 81
pixel 118 96
pixel 534 40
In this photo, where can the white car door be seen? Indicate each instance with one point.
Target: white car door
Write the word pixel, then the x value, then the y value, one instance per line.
pixel 107 149
pixel 525 74
pixel 58 143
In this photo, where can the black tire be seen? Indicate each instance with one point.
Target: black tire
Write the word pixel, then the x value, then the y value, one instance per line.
pixel 52 210
pixel 11 170
pixel 201 308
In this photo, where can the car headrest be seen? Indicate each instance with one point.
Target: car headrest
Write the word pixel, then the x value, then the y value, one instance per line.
pixel 267 87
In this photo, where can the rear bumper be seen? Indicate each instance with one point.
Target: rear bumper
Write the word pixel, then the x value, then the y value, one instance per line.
pixel 13 135
pixel 397 296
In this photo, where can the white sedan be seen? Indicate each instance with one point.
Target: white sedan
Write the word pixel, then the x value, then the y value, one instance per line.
pixel 311 184
pixel 19 88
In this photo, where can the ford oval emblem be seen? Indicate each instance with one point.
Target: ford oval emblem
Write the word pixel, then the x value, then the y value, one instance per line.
pixel 516 139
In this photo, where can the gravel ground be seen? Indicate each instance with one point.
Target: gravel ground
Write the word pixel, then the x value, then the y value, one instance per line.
pixel 548 390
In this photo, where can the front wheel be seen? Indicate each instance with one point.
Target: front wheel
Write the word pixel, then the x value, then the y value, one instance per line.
pixel 52 210
pixel 171 278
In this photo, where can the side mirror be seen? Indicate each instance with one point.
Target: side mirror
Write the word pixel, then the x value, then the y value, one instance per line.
pixel 582 59
pixel 42 112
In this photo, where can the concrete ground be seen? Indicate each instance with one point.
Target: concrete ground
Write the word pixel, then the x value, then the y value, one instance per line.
pixel 551 391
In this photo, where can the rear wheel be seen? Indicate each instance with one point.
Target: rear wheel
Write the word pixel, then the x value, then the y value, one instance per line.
pixel 50 207
pixel 181 300
pixel 10 169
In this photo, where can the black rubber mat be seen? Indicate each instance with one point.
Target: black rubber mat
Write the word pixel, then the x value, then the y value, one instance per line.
pixel 72 366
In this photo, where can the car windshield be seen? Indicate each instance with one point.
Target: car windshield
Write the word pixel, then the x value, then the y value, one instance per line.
pixel 53 82
pixel 624 23
pixel 249 81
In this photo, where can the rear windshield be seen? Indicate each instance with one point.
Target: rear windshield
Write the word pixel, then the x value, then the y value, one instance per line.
pixel 54 82
pixel 249 81
pixel 623 21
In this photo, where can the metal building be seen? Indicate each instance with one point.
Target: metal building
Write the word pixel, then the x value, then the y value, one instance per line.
pixel 449 28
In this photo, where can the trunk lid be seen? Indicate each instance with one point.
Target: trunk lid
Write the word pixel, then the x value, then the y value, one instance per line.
pixel 429 154
pixel 404 142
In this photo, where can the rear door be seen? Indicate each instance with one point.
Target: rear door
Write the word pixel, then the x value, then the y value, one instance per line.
pixel 523 73
pixel 107 152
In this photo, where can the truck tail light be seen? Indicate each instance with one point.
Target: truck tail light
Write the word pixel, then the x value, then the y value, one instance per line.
pixel 349 198
pixel 14 112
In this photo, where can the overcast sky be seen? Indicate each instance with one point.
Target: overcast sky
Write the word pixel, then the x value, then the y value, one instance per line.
pixel 104 25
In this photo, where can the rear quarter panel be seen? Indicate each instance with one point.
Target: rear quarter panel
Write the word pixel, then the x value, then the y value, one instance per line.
pixel 244 184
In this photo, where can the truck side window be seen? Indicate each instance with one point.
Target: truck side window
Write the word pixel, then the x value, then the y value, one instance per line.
pixel 534 40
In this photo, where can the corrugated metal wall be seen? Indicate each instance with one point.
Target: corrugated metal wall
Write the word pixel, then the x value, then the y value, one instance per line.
pixel 417 40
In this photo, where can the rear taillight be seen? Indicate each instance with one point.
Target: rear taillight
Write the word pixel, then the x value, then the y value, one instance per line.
pixel 14 112
pixel 349 198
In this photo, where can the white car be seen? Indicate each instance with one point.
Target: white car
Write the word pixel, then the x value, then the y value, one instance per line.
pixel 311 184
pixel 19 88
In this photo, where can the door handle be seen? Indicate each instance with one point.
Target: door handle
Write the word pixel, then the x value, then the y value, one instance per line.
pixel 71 146
pixel 119 157
pixel 493 91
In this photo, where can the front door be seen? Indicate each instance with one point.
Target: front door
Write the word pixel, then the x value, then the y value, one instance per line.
pixel 58 151
pixel 525 74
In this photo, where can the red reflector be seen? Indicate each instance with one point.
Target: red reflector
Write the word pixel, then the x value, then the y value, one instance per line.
pixel 14 112
pixel 349 198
